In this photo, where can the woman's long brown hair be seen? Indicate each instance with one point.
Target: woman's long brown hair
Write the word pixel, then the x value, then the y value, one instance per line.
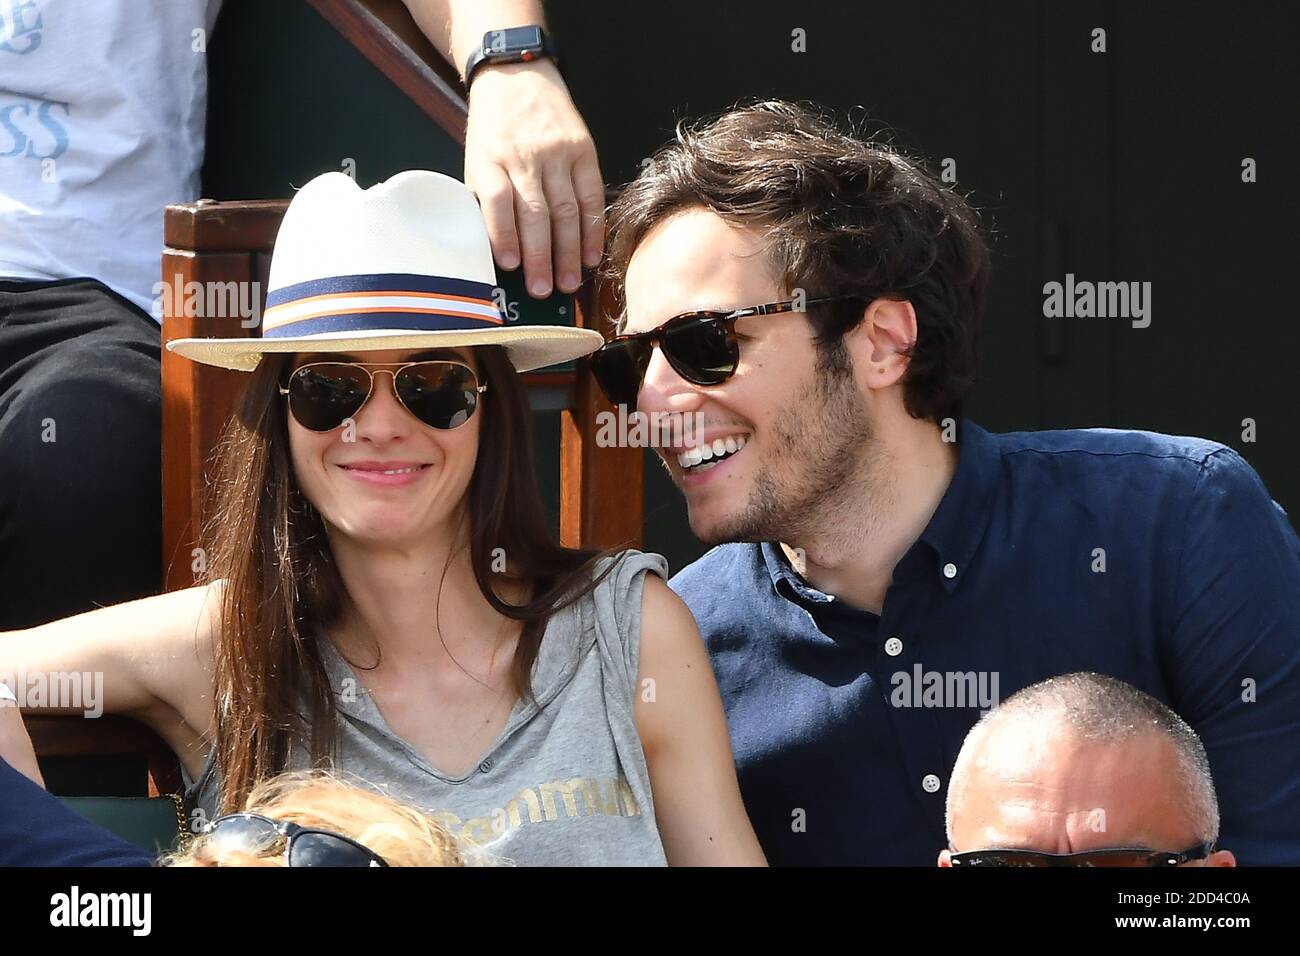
pixel 267 542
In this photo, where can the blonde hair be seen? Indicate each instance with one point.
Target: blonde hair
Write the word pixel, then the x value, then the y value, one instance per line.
pixel 402 834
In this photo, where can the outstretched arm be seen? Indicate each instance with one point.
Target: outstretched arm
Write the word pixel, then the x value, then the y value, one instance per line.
pixel 150 659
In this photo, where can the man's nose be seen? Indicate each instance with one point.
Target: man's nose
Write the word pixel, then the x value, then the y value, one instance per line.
pixel 663 390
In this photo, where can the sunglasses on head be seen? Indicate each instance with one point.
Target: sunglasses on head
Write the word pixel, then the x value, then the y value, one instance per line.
pixel 1119 856
pixel 303 846
pixel 700 346
pixel 441 393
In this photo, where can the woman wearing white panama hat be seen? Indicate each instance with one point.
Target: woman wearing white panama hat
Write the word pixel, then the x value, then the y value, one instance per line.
pixel 384 589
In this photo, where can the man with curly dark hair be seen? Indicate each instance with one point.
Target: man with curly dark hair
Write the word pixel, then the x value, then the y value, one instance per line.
pixel 885 568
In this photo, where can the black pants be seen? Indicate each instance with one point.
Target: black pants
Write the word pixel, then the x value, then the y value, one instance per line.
pixel 80 451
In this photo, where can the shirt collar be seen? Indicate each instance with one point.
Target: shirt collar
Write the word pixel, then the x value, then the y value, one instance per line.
pixel 958 524
pixel 786 580
pixel 955 529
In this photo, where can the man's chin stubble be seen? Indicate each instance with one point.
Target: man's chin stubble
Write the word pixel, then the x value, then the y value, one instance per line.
pixel 780 508
pixel 756 522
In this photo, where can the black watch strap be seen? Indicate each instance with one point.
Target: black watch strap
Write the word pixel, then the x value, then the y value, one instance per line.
pixel 512 45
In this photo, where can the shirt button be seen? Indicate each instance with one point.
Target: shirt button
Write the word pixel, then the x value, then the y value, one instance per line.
pixel 950 570
pixel 486 765
pixel 929 783
pixel 893 647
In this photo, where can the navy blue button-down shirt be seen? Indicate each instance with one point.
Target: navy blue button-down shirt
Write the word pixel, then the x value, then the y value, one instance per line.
pixel 1158 560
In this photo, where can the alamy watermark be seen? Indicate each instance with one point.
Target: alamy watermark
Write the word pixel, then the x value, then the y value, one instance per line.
pixel 944 689
pixel 210 300
pixel 1103 300
pixel 624 429
pixel 64 690
pixel 133 911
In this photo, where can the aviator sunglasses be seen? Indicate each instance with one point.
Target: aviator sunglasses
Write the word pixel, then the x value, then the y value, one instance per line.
pixel 700 346
pixel 1118 856
pixel 441 393
pixel 303 846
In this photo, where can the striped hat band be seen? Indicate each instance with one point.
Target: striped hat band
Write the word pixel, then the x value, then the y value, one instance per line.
pixel 360 303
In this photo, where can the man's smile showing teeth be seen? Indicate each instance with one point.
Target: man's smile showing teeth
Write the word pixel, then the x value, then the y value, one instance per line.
pixel 708 455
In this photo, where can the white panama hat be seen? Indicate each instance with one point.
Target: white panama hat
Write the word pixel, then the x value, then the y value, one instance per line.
pixel 405 264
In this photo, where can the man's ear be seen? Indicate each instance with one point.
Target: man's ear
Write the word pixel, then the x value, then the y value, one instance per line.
pixel 881 343
pixel 945 859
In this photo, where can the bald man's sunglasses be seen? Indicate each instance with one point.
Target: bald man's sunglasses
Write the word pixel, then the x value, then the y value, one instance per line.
pixel 1119 856
pixel 700 346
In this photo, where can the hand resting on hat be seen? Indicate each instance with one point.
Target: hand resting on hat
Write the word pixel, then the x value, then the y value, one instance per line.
pixel 529 157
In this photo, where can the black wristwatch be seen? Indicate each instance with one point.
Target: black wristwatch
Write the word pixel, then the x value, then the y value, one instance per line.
pixel 512 45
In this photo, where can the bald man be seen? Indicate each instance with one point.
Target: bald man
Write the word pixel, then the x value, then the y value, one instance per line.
pixel 1082 770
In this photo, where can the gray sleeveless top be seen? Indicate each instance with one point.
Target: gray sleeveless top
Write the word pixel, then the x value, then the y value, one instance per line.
pixel 563 785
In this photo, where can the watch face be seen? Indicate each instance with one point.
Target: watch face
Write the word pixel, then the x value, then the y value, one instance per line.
pixel 512 40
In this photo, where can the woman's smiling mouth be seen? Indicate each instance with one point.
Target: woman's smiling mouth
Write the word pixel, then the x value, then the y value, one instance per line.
pixel 386 473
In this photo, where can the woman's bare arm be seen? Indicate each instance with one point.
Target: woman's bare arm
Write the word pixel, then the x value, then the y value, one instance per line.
pixel 150 659
pixel 683 728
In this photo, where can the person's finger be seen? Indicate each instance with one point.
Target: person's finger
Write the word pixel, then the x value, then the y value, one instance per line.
pixel 566 231
pixel 533 222
pixel 589 187
pixel 496 197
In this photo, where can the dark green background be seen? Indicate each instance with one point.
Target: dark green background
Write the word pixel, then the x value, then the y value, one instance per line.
pixel 1122 166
